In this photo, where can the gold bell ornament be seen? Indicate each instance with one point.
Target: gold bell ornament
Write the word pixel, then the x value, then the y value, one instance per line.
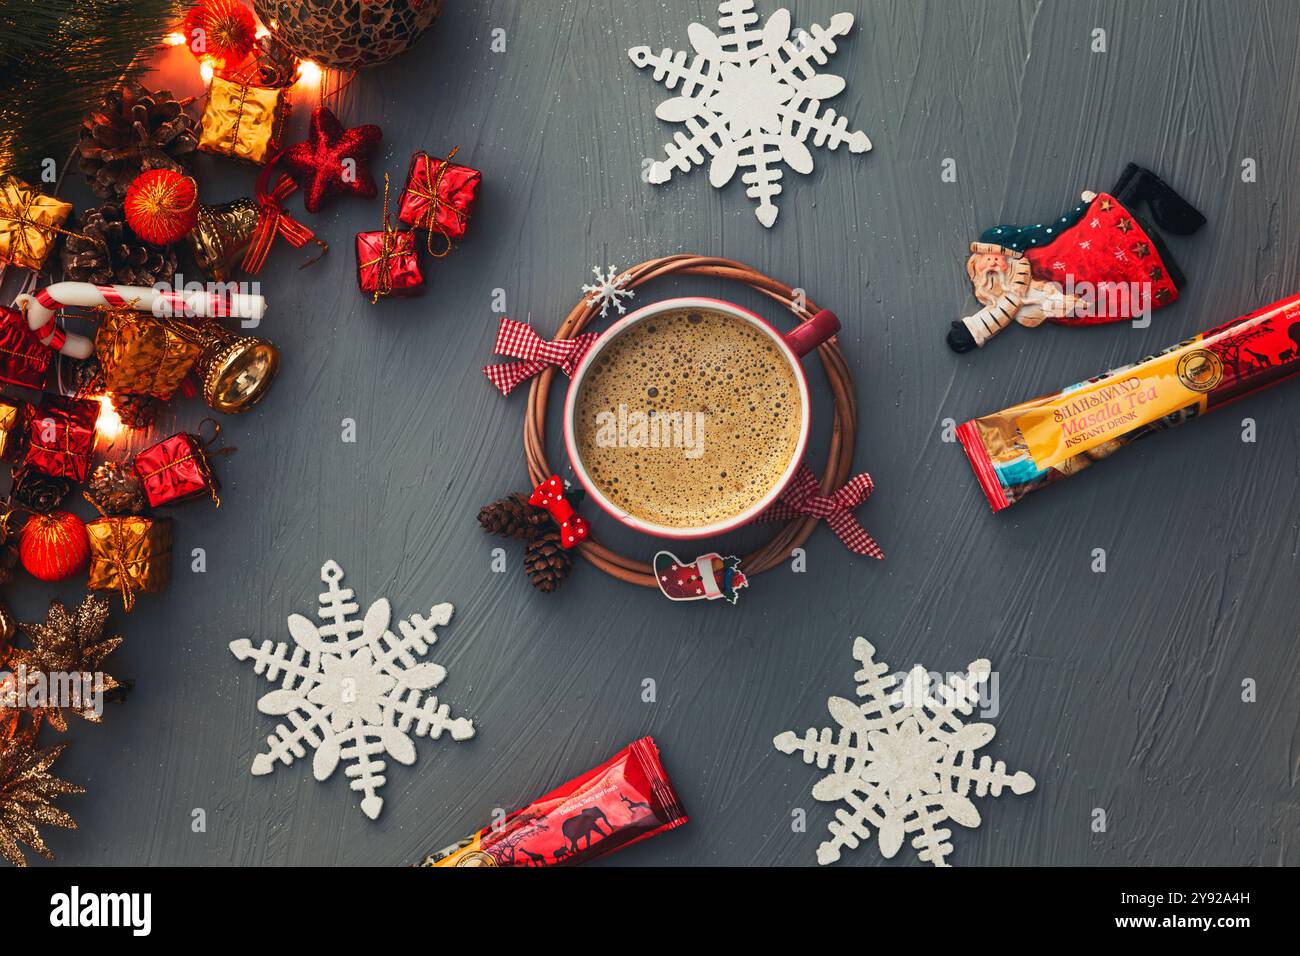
pixel 221 236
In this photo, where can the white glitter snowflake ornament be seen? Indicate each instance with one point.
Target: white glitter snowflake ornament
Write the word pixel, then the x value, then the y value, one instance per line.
pixel 352 690
pixel 750 98
pixel 903 761
pixel 610 288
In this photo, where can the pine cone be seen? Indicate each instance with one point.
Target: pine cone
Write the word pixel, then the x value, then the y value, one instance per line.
pixel 511 517
pixel 112 254
pixel 82 377
pixel 134 129
pixel 40 492
pixel 136 411
pixel 546 562
pixel 117 489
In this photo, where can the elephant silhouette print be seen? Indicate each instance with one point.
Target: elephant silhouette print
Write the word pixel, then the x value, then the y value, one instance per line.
pixel 584 824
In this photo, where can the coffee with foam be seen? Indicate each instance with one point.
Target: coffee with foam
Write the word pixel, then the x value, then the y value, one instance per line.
pixel 688 418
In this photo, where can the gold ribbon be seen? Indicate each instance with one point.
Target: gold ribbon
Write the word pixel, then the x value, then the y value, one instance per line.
pixel 387 249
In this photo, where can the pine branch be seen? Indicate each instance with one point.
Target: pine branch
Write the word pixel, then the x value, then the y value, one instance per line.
pixel 57 59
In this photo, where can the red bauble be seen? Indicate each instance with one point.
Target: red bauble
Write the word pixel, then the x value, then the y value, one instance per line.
pixel 54 546
pixel 333 160
pixel 162 206
pixel 221 30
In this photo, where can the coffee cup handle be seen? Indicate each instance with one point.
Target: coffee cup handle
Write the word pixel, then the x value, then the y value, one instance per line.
pixel 816 331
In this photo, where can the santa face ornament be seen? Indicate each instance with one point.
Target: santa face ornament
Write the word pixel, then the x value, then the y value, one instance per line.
pixel 707 578
pixel 1100 262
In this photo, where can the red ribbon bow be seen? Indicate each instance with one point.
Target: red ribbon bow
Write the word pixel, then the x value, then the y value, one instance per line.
pixel 519 340
pixel 550 495
pixel 803 498
pixel 273 221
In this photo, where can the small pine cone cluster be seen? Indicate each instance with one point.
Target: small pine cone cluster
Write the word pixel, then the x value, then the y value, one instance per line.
pixel 546 562
pixel 131 130
pixel 105 251
pixel 116 488
pixel 39 492
pixel 511 517
pixel 136 411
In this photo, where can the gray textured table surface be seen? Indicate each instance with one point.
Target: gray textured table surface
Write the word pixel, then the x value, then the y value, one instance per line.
pixel 1120 691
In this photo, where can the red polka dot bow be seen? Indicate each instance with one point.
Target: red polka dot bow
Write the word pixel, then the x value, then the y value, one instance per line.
pixel 519 340
pixel 803 498
pixel 550 495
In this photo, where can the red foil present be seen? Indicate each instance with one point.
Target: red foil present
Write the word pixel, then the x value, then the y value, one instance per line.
pixel 175 470
pixel 61 437
pixel 24 361
pixel 439 195
pixel 387 264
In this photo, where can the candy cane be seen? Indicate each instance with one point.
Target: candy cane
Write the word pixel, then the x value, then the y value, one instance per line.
pixel 42 307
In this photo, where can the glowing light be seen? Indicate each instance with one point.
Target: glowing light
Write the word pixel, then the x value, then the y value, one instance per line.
pixel 262 31
pixel 174 39
pixel 109 423
pixel 205 71
pixel 309 72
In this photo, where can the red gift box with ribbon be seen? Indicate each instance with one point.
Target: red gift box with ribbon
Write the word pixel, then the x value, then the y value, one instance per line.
pixel 61 437
pixel 387 264
pixel 175 470
pixel 24 361
pixel 439 195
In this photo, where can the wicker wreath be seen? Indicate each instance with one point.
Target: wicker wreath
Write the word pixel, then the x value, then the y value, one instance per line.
pixel 838 464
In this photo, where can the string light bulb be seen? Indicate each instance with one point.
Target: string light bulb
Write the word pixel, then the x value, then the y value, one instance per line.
pixel 309 72
pixel 109 423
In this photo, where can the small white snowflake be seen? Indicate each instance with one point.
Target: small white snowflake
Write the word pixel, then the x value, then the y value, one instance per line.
pixel 751 98
pixel 903 761
pixel 352 690
pixel 610 288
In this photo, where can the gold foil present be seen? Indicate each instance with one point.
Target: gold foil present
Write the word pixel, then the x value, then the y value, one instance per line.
pixel 29 224
pixel 243 121
pixel 130 554
pixel 10 416
pixel 140 355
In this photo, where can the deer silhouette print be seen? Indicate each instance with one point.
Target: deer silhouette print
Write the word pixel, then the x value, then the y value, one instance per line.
pixel 584 824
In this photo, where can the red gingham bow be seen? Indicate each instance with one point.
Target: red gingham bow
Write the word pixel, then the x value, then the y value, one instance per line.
pixel 803 498
pixel 519 340
pixel 550 495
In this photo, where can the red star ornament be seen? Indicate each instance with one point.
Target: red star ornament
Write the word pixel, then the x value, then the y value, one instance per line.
pixel 333 160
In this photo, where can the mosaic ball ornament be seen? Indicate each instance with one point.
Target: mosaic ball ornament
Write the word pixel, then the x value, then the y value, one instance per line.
pixel 348 34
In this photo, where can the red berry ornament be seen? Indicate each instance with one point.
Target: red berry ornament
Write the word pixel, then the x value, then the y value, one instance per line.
pixel 54 546
pixel 162 206
pixel 220 30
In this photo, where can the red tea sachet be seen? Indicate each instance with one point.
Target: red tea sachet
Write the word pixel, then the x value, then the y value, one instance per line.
pixel 626 799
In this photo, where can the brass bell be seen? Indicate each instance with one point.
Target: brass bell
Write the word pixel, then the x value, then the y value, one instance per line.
pixel 221 236
pixel 234 370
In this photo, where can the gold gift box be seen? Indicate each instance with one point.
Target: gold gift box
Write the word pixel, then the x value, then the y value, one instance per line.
pixel 129 554
pixel 9 419
pixel 142 356
pixel 243 121
pixel 29 224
